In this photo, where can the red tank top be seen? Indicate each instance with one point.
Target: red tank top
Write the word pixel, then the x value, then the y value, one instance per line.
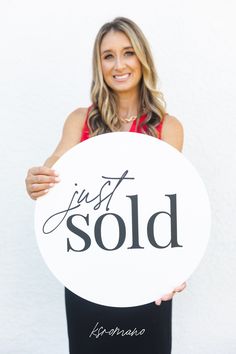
pixel 134 128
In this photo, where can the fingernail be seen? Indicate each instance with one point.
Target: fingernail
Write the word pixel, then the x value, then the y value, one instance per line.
pixel 57 179
pixel 46 190
pixel 51 185
pixel 56 173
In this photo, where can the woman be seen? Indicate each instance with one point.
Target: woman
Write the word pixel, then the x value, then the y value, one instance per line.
pixel 124 98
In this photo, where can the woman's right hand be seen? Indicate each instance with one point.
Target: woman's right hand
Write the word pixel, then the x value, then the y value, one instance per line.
pixel 39 180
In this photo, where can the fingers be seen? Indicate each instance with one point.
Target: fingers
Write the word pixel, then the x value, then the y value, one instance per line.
pixel 169 296
pixel 42 170
pixel 34 188
pixel 180 288
pixel 166 297
pixel 158 302
pixel 36 195
pixel 39 180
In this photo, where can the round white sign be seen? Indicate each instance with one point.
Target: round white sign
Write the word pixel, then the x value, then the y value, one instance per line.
pixel 129 221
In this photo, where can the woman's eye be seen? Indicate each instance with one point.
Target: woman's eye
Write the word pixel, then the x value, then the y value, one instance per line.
pixel 108 56
pixel 129 53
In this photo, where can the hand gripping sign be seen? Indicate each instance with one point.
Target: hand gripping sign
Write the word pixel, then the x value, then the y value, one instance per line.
pixel 129 221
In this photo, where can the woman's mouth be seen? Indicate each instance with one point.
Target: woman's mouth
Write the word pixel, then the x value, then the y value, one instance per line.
pixel 123 77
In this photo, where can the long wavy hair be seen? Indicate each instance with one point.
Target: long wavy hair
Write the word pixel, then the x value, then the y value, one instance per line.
pixel 103 115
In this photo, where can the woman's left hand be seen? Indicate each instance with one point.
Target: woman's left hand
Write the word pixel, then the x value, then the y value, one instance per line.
pixel 169 296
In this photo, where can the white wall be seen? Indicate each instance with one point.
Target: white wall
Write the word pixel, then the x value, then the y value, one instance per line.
pixel 45 70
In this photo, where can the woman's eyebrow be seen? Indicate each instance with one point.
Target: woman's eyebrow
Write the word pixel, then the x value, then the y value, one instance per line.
pixel 110 50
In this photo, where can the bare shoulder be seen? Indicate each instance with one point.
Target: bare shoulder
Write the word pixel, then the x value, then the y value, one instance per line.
pixel 173 132
pixel 72 131
pixel 77 117
pixel 74 125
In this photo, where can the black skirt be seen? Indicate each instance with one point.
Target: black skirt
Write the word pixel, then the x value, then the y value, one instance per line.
pixel 97 329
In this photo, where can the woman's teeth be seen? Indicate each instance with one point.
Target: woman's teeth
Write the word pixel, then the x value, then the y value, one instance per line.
pixel 121 77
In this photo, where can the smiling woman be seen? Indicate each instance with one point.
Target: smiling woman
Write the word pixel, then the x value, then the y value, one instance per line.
pixel 124 76
pixel 124 97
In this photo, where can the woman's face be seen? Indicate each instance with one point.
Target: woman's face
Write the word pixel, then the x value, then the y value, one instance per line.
pixel 121 68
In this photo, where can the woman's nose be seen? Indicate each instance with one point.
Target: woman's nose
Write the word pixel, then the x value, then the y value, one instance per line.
pixel 119 63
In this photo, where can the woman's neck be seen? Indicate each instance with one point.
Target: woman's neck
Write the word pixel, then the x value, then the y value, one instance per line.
pixel 128 104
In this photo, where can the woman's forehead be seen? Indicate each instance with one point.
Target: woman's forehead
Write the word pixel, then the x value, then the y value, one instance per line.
pixel 114 40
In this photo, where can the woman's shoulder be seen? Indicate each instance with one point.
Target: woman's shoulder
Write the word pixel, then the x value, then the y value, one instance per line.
pixel 171 123
pixel 77 117
pixel 172 131
pixel 72 131
pixel 74 124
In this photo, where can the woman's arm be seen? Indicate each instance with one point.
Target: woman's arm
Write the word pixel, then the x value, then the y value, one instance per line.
pixel 39 180
pixel 172 132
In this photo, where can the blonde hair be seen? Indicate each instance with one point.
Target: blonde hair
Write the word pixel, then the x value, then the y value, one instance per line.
pixel 103 115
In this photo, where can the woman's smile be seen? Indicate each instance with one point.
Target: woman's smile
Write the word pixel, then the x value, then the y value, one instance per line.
pixel 121 78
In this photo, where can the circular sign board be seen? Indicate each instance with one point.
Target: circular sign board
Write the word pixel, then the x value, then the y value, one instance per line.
pixel 129 221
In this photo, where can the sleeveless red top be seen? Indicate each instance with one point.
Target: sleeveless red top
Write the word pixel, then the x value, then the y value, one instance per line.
pixel 134 127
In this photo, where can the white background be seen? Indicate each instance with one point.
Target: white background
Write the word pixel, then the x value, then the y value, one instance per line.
pixel 45 71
